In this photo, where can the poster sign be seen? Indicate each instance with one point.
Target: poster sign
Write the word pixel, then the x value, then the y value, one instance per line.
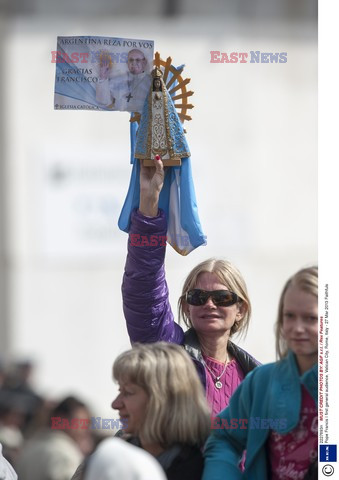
pixel 102 73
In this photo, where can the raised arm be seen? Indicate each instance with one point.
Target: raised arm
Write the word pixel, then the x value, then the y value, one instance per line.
pixel 146 306
pixel 151 183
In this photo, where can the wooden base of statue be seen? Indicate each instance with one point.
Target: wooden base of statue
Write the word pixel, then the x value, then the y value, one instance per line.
pixel 170 162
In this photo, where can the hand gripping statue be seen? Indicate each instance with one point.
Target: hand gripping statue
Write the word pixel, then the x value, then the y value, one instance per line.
pixel 160 131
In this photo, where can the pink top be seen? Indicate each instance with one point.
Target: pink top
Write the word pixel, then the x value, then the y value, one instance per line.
pixel 218 399
pixel 291 454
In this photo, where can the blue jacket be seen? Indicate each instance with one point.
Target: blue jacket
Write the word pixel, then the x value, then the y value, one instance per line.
pixel 268 399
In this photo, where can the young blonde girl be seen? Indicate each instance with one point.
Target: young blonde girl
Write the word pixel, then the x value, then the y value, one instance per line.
pixel 273 413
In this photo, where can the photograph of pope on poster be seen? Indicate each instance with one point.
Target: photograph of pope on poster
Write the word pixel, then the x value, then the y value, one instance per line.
pixel 102 73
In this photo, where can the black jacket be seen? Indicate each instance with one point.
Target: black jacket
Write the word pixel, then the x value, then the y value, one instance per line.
pixel 187 465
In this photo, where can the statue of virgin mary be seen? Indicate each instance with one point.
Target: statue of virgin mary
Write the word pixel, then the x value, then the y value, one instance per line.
pixel 160 131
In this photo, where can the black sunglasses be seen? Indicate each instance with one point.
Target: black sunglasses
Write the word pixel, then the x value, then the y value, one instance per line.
pixel 220 298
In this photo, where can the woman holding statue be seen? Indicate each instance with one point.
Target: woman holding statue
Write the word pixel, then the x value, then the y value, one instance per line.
pixel 214 303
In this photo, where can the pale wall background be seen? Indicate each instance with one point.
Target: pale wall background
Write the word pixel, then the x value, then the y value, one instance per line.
pixel 253 144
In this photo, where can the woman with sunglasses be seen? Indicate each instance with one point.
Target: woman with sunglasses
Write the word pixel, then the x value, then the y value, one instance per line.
pixel 214 301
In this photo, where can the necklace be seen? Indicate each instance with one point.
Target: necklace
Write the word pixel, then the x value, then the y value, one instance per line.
pixel 216 379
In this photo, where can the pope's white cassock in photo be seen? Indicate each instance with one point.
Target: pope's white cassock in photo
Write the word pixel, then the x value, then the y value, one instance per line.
pixel 129 91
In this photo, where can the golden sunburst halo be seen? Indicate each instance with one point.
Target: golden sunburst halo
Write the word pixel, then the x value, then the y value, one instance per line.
pixel 178 93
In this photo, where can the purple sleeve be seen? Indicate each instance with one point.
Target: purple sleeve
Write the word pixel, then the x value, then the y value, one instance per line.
pixel 146 306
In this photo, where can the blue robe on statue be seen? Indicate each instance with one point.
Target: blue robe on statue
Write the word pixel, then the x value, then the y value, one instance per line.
pixel 167 131
pixel 177 197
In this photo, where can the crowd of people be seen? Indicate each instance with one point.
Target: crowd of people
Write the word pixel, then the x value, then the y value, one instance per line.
pixel 31 442
pixel 193 404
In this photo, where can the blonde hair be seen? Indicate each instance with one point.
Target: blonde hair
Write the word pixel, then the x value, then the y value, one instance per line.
pixel 307 280
pixel 177 411
pixel 228 275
